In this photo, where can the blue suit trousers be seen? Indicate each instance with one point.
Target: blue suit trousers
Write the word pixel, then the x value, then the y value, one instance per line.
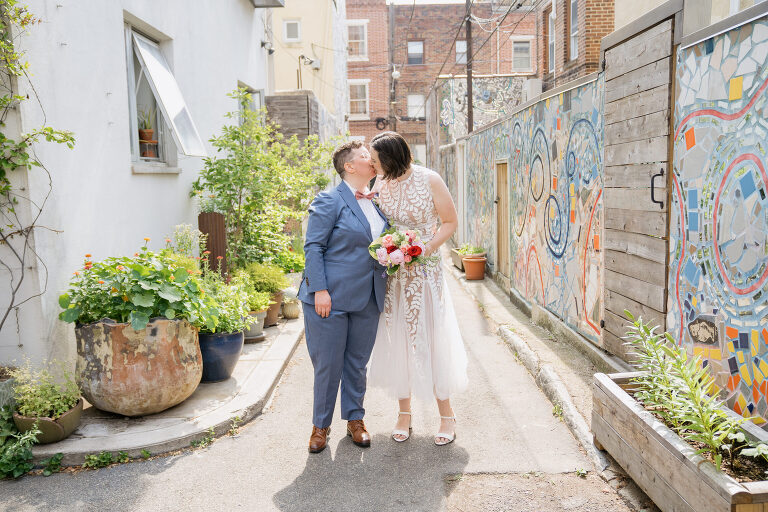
pixel 340 347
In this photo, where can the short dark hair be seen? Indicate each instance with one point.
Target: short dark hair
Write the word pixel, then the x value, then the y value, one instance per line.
pixel 394 154
pixel 341 155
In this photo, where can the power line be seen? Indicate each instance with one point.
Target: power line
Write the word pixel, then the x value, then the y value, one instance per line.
pixel 455 38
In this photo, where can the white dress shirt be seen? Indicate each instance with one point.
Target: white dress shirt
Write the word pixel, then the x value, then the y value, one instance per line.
pixel 374 219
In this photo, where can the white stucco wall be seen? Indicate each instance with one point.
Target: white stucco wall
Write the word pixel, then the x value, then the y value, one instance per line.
pixel 77 58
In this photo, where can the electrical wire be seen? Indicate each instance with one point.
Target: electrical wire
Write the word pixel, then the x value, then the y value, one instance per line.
pixel 455 38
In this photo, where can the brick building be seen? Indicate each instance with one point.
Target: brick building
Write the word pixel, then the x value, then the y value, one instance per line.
pixel 569 38
pixel 368 68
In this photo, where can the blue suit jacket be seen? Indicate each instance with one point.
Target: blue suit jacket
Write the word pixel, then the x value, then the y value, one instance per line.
pixel 336 251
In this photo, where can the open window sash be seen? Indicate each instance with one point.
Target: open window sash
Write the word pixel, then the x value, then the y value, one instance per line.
pixel 169 97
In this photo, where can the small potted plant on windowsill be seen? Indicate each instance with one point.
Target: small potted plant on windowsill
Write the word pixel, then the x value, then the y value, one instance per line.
pixel 271 279
pixel 222 344
pixel 47 401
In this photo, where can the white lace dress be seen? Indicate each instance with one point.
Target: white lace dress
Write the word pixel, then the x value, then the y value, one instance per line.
pixel 418 351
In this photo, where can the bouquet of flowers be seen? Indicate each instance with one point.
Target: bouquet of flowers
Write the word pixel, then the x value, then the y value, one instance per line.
pixel 394 248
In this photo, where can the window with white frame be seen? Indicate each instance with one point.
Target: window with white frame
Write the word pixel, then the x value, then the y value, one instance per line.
pixel 419 154
pixel 359 108
pixel 357 32
pixel 161 124
pixel 461 52
pixel 292 31
pixel 573 42
pixel 254 102
pixel 415 52
pixel 551 42
pixel 416 105
pixel 521 55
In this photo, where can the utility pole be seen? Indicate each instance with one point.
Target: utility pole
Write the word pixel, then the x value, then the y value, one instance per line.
pixel 470 113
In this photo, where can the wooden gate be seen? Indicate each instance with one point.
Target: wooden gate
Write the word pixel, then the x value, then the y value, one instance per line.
pixel 502 219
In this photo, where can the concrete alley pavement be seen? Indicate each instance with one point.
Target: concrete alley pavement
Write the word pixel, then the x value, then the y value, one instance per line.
pixel 511 454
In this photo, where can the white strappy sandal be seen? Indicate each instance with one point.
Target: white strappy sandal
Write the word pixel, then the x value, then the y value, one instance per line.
pixel 405 433
pixel 449 437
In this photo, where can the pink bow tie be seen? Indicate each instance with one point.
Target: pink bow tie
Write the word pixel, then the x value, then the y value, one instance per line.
pixel 362 195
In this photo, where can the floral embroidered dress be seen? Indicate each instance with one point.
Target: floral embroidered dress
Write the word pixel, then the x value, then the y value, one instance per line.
pixel 418 349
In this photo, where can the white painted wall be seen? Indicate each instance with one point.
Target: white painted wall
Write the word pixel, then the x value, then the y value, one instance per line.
pixel 77 58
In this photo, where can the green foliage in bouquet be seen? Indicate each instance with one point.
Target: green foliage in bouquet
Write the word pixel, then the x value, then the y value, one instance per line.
pixel 135 289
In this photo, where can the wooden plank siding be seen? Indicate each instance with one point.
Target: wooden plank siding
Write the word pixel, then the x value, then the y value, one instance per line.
pixel 638 92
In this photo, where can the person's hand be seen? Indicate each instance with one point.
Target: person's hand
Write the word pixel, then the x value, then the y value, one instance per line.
pixel 323 303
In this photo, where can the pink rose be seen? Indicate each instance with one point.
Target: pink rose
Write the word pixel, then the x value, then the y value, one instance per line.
pixel 397 257
pixel 404 248
pixel 407 258
pixel 381 254
pixel 387 241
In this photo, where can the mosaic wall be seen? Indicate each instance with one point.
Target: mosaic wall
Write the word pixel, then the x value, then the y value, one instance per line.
pixel 718 296
pixel 495 97
pixel 448 170
pixel 555 153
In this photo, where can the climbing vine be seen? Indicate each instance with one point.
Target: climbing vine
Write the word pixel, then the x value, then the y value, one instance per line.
pixel 19 210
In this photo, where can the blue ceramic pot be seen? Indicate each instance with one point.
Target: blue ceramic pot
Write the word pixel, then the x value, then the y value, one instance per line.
pixel 220 354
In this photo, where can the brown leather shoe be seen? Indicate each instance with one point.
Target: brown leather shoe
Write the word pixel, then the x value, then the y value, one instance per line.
pixel 319 439
pixel 360 436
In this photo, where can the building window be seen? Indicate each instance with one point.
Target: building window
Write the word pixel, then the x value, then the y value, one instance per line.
pixel 292 31
pixel 521 55
pixel 461 52
pixel 359 108
pixel 420 154
pixel 416 106
pixel 551 42
pixel 357 31
pixel 573 42
pixel 161 124
pixel 255 101
pixel 415 52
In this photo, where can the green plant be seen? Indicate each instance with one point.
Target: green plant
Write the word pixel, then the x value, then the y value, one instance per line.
pixel 266 278
pixel 234 429
pixel 185 240
pixel 206 440
pixel 289 261
pixel 145 454
pixel 686 402
pixel 260 181
pixel 581 473
pixel 231 301
pixel 122 457
pixel 135 289
pixel 557 411
pixel 20 207
pixel 100 460
pixel 259 301
pixel 44 393
pixel 759 450
pixel 15 447
pixel 147 118
pixel 52 465
pixel 470 249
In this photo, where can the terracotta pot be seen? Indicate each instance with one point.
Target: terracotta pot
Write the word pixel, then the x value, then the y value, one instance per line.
pixel 146 134
pixel 291 310
pixel 51 431
pixel 134 373
pixel 274 310
pixel 255 331
pixel 221 351
pixel 474 267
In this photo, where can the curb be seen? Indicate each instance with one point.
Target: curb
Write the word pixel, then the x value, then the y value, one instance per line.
pixel 248 403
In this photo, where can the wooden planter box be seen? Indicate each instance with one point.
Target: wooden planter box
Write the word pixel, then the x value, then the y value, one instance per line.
pixel 456 259
pixel 661 462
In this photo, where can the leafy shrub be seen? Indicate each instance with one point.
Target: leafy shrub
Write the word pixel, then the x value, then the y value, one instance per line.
pixel 43 393
pixel 266 278
pixel 15 448
pixel 470 249
pixel 231 301
pixel 289 261
pixel 135 289
pixel 259 301
pixel 100 460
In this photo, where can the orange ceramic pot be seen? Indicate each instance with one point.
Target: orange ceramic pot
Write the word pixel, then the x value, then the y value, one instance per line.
pixel 474 267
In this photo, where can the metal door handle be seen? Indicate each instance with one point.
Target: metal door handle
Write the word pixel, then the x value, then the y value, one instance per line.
pixel 653 188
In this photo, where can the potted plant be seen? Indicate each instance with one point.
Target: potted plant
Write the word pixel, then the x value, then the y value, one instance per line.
pixel 136 328
pixel 292 263
pixel 258 303
pixel 457 254
pixel 291 304
pixel 473 259
pixel 269 278
pixel 146 124
pixel 46 401
pixel 222 343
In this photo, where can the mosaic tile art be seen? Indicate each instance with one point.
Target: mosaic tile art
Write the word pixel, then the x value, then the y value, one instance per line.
pixel 495 97
pixel 554 150
pixel 718 294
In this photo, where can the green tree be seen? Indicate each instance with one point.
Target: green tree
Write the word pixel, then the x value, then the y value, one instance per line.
pixel 260 181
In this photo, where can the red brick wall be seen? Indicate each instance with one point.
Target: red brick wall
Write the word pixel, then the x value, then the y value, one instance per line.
pixel 595 18
pixel 376 68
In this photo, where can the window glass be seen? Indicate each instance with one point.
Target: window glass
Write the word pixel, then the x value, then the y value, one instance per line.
pixel 168 96
pixel 415 105
pixel 357 41
pixel 574 40
pixel 358 99
pixel 292 31
pixel 521 55
pixel 415 52
pixel 461 52
pixel 551 45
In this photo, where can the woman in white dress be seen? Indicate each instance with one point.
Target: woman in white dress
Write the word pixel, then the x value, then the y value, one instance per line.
pixel 418 350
